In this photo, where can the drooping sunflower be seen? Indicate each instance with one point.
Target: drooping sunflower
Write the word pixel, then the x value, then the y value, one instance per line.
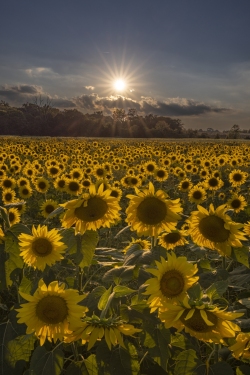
pixel 94 329
pixel 215 230
pixel 47 207
pixel 93 210
pixel 14 216
pixel 173 277
pixel 173 239
pixel 143 244
pixel 237 203
pixel 205 322
pixel 50 310
pixel 41 248
pixel 150 213
pixel 241 349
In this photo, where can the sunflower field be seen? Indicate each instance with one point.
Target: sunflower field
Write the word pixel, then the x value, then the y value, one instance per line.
pixel 124 257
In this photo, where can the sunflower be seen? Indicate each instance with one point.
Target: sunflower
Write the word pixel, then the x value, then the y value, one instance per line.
pixel 213 183
pixel 205 322
pixel 116 193
pixel 197 194
pixel 41 185
pixel 237 177
pixel 8 196
pixel 60 183
pixel 93 329
pixel 185 185
pixel 215 230
pixel 150 213
pixel 237 203
pixel 23 181
pixel 93 210
pixel 150 167
pixel 76 174
pixel 47 207
pixel 25 191
pixel 41 248
pixel 8 183
pixel 161 174
pixel 2 238
pixel 242 346
pixel 173 277
pixel 73 187
pixel 14 216
pixel 50 310
pixel 173 239
pixel 143 244
pixel 53 171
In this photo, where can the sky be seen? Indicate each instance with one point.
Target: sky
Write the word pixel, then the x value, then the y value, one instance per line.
pixel 186 59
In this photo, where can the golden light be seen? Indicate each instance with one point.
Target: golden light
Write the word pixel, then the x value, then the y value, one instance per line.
pixel 119 85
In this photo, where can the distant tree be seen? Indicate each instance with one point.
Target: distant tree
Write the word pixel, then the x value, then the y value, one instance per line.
pixel 119 114
pixel 234 132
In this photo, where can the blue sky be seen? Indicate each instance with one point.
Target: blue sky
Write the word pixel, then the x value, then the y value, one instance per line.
pixel 183 59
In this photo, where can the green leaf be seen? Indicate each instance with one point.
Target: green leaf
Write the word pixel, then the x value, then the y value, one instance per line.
pixel 125 361
pixel 243 370
pixel 89 241
pixel 240 254
pixel 104 298
pixel 205 264
pixel 186 362
pixel 216 290
pixel 69 238
pixel 221 368
pixel 195 292
pixel 44 362
pixel 122 290
pixel 59 210
pixel 26 285
pixel 2 268
pixel 14 260
pixel 19 228
pixel 20 348
pixel 91 365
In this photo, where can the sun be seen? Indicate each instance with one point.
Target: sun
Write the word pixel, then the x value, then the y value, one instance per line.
pixel 119 85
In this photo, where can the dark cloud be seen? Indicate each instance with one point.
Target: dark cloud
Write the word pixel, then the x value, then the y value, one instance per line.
pixel 183 108
pixel 19 94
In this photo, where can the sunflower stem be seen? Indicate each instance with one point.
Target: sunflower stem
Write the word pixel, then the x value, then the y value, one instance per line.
pixel 152 242
pixel 75 351
pixel 224 265
pixel 216 353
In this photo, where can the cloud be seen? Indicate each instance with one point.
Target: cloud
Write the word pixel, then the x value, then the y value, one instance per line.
pixel 20 94
pixel 89 87
pixel 176 107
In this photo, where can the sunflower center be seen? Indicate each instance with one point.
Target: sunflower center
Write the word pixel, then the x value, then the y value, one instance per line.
pixel 172 237
pixel 8 197
pixel 7 183
pixel 172 283
pixel 237 177
pixel 73 186
pixel 212 228
pixel 42 247
pixel 42 185
pixel 236 203
pixel 197 194
pixel 11 217
pixel 96 208
pixel 213 182
pixel 49 208
pixel 52 309
pixel 185 185
pixel 151 211
pixel 196 322
pixel 160 174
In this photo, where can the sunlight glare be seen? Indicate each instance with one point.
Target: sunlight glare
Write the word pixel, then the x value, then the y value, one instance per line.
pixel 119 85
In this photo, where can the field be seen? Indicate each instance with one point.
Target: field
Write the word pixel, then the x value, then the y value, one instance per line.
pixel 124 256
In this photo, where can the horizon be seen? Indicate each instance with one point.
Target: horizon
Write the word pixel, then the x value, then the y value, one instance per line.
pixel 188 62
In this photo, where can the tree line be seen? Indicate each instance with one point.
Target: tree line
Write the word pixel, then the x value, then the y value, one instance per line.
pixel 39 119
